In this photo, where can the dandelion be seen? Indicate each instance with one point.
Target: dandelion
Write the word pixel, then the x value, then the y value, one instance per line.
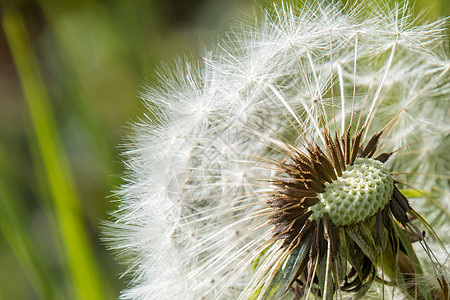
pixel 306 158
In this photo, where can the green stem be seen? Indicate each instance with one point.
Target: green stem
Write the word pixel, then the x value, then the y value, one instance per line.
pixel 79 255
pixel 12 216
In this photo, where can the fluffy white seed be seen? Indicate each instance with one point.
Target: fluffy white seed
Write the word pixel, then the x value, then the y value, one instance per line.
pixel 193 214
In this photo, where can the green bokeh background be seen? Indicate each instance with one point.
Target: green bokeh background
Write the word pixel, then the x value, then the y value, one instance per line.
pixel 70 73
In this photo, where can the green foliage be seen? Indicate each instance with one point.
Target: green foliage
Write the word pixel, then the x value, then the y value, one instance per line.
pixel 69 75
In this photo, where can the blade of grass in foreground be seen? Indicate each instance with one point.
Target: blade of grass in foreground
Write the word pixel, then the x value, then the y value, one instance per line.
pixel 79 255
pixel 12 216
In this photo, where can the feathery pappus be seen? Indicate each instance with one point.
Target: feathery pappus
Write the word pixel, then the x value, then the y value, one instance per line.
pixel 306 157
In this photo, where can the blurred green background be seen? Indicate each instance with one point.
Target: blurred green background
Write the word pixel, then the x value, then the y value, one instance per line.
pixel 70 73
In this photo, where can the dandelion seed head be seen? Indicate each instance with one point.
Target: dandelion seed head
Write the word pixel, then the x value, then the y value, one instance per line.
pixel 292 162
pixel 361 190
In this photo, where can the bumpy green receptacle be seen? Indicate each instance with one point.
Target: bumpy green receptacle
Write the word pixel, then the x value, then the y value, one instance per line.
pixel 363 188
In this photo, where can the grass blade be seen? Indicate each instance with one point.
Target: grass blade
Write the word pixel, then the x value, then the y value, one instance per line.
pixel 77 248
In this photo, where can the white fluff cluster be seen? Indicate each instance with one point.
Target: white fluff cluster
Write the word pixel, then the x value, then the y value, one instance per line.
pixel 193 217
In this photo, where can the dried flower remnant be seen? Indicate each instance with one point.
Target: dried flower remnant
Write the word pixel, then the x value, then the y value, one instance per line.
pixel 280 168
pixel 340 211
